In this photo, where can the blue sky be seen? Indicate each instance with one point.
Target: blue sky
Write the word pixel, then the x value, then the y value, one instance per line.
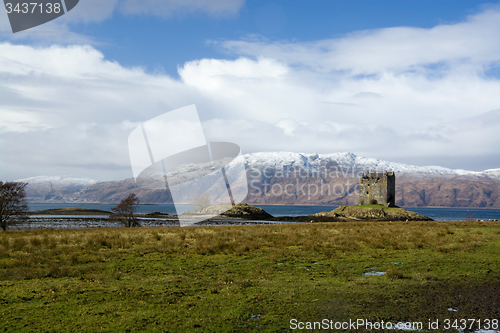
pixel 163 43
pixel 415 82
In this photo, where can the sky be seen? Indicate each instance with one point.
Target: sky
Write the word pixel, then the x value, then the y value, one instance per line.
pixel 414 82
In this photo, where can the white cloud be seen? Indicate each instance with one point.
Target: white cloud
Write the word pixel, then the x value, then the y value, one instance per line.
pixel 66 109
pixel 269 90
pixel 474 41
pixel 53 96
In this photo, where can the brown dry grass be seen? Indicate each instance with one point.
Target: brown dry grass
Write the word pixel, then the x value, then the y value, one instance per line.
pixel 59 253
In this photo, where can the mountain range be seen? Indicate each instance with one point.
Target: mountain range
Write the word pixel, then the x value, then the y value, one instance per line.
pixel 295 178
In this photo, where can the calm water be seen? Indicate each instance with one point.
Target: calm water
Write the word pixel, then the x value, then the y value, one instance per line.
pixel 141 209
pixel 458 214
pixel 439 214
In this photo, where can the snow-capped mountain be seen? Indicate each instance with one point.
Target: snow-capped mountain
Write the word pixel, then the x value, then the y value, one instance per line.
pixel 67 180
pixel 294 178
pixel 493 173
pixel 333 179
pixel 55 188
pixel 350 161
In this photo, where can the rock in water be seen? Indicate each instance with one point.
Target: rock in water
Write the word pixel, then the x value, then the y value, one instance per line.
pixel 247 212
pixel 243 211
pixel 376 212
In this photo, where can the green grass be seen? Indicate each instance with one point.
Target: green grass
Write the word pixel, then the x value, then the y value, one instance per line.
pixel 377 207
pixel 246 278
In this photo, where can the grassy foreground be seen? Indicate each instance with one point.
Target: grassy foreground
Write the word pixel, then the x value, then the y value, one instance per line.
pixel 247 278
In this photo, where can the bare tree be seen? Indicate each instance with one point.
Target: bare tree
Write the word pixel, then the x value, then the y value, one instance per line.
pixel 13 205
pixel 125 211
pixel 200 202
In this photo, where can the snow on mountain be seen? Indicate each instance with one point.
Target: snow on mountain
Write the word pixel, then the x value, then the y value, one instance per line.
pixel 310 162
pixel 348 161
pixel 55 188
pixel 327 179
pixel 493 173
pixel 279 158
pixel 67 180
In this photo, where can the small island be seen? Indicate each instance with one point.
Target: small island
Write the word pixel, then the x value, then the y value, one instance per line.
pixel 70 211
pixel 377 196
pixel 377 202
pixel 374 213
pixel 240 211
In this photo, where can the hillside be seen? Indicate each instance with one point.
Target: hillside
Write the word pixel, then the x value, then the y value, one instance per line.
pixel 310 179
pixel 55 188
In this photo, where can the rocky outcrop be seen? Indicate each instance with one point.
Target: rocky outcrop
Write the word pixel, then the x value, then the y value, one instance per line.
pixel 374 212
pixel 247 212
pixel 240 211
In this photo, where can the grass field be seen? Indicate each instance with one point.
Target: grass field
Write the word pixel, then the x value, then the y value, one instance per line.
pixel 247 278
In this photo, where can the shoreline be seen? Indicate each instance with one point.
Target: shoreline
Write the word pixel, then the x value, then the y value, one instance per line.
pixel 67 215
pixel 255 204
pixel 89 222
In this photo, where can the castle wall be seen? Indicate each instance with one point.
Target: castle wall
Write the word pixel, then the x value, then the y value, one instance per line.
pixel 391 190
pixel 378 188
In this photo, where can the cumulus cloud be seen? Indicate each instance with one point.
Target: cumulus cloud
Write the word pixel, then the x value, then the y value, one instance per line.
pixel 402 94
pixel 397 49
pixel 63 106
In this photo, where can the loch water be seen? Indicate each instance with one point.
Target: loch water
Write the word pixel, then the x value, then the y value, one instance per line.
pixel 438 214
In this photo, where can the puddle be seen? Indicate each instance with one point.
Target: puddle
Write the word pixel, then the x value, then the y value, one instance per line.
pixel 373 273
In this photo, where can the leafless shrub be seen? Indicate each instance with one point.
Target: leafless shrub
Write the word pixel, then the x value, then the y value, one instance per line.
pixel 125 211
pixel 13 204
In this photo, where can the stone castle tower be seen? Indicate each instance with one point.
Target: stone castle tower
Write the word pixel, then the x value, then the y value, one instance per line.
pixel 378 188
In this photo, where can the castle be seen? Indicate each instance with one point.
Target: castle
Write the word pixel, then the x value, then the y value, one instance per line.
pixel 378 188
